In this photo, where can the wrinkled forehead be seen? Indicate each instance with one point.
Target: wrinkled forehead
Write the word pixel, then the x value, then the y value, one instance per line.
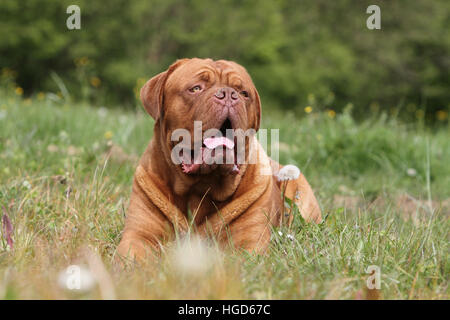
pixel 227 72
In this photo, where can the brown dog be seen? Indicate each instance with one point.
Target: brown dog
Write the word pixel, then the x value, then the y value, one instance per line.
pixel 236 201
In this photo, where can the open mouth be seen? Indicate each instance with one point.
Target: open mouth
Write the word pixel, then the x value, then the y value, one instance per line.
pixel 226 126
pixel 216 152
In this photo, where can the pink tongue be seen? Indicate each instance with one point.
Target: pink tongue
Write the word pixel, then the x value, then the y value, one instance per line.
pixel 214 142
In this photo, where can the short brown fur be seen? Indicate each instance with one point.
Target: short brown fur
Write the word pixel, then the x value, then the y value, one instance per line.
pixel 150 222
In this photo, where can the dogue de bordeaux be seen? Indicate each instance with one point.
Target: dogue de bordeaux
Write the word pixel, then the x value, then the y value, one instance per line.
pixel 183 186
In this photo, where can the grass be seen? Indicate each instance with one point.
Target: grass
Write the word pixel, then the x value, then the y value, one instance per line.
pixel 65 180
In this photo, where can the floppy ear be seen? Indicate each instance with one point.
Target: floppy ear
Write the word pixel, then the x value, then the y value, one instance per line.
pixel 152 92
pixel 258 110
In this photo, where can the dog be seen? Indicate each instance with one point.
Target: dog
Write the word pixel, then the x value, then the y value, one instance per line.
pixel 236 202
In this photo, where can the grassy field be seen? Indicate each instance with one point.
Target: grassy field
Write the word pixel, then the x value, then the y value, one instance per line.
pixel 65 179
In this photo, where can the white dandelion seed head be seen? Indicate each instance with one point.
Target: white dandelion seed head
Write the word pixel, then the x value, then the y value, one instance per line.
pixel 102 112
pixel 193 256
pixel 63 135
pixel 26 184
pixel 123 119
pixel 289 172
pixel 411 172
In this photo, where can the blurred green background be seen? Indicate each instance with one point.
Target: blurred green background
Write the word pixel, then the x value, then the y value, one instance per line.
pixel 303 55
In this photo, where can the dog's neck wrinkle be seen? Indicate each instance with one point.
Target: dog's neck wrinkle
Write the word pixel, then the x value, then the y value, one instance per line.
pixel 201 207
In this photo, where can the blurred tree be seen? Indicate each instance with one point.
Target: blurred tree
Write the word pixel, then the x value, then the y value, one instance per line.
pixel 308 52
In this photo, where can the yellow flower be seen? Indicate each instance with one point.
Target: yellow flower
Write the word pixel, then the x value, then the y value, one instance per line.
pixel 419 114
pixel 19 91
pixel 6 71
pixel 442 115
pixel 84 61
pixel 374 107
pixel 331 113
pixel 95 81
pixel 140 82
pixel 27 101
pixel 108 135
pixel 308 109
pixel 41 96
pixel 80 62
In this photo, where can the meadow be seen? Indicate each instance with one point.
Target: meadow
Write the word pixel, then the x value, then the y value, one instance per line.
pixel 65 179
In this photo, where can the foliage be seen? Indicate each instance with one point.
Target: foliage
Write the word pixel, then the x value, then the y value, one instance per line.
pixel 300 53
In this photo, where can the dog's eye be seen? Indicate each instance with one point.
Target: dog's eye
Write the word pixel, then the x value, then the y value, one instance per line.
pixel 244 93
pixel 195 89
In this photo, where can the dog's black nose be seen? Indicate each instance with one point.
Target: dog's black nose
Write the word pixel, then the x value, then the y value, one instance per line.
pixel 227 95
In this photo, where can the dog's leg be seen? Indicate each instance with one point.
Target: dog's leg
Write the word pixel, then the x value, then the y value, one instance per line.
pixel 301 193
pixel 145 228
pixel 251 231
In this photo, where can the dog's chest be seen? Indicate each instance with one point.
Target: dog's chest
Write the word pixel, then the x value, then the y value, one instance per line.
pixel 198 208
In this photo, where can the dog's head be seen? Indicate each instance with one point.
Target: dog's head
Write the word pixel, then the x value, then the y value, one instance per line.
pixel 204 111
